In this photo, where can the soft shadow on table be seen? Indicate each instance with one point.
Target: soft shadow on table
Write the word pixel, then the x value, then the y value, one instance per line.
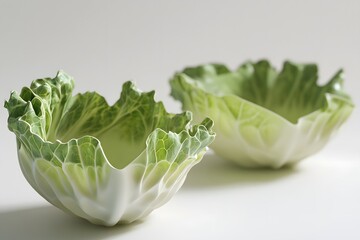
pixel 214 172
pixel 48 222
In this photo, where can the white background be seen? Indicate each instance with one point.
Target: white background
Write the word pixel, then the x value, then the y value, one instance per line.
pixel 104 43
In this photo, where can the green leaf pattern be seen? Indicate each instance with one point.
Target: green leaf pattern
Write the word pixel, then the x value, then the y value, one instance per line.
pixel 264 118
pixel 70 149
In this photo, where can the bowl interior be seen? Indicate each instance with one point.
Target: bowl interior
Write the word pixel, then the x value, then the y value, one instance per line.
pixel 291 93
pixel 122 128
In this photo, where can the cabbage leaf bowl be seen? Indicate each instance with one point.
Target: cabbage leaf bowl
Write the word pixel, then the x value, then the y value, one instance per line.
pixel 264 117
pixel 107 164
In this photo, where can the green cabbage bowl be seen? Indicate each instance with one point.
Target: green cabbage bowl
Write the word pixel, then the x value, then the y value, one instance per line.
pixel 264 118
pixel 107 164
